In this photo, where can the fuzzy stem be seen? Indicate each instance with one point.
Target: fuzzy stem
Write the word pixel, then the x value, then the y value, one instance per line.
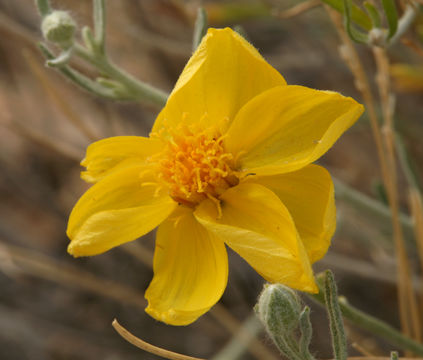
pixel 339 342
pixel 140 90
pixel 372 324
pixel 81 80
pixel 99 9
pixel 306 331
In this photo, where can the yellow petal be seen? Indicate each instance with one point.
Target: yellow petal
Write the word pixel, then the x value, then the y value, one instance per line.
pixel 309 196
pixel 288 127
pixel 258 227
pixel 190 270
pixel 120 208
pixel 223 74
pixel 108 154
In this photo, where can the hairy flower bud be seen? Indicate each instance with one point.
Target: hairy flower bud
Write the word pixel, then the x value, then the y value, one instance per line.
pixel 279 308
pixel 59 28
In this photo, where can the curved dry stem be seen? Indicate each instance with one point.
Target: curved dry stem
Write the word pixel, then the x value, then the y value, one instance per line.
pixel 148 347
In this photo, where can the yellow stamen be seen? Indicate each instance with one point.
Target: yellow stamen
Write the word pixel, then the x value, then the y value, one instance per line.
pixel 217 203
pixel 194 164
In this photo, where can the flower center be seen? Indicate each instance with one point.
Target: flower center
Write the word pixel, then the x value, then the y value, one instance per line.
pixel 194 165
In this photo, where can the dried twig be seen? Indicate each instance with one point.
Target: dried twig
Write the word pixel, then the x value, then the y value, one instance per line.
pixel 409 311
pixel 219 312
pixel 42 266
pixel 385 151
pixel 148 347
pixel 298 9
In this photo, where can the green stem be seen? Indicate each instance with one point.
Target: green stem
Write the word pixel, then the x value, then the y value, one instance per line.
pixel 100 24
pixel 306 331
pixel 372 208
pixel 373 325
pixel 287 346
pixel 140 90
pixel 379 327
pixel 336 324
pixel 200 27
pixel 43 7
pixel 62 59
pixel 81 80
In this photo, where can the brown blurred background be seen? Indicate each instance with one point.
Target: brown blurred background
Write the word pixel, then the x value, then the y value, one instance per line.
pixel 55 307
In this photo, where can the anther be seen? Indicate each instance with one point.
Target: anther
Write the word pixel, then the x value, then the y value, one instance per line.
pixel 194 164
pixel 218 207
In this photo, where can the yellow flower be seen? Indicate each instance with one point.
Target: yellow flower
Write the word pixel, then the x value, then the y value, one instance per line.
pixel 228 162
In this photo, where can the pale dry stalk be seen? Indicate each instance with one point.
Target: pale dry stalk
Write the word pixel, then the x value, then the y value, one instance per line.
pixel 36 264
pixel 416 205
pixel 361 349
pixel 386 155
pixel 417 213
pixel 44 141
pixel 298 9
pixel 351 58
pixel 141 344
pixel 387 105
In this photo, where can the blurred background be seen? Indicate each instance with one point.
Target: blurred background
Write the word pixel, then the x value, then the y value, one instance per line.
pixel 53 306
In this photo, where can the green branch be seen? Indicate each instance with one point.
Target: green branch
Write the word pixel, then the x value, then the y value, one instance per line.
pixel 371 324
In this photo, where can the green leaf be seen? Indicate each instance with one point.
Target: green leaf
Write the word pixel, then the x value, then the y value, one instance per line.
pixel 374 14
pixel 357 15
pixel 62 59
pixel 89 40
pixel 391 15
pixel 99 11
pixel 353 33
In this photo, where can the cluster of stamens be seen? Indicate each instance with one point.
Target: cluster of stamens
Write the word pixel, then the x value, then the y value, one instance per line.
pixel 194 165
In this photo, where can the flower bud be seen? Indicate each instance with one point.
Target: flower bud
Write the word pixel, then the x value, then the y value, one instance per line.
pixel 59 28
pixel 279 308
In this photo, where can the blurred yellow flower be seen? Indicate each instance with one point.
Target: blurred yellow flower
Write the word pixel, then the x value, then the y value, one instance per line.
pixel 228 162
pixel 407 78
